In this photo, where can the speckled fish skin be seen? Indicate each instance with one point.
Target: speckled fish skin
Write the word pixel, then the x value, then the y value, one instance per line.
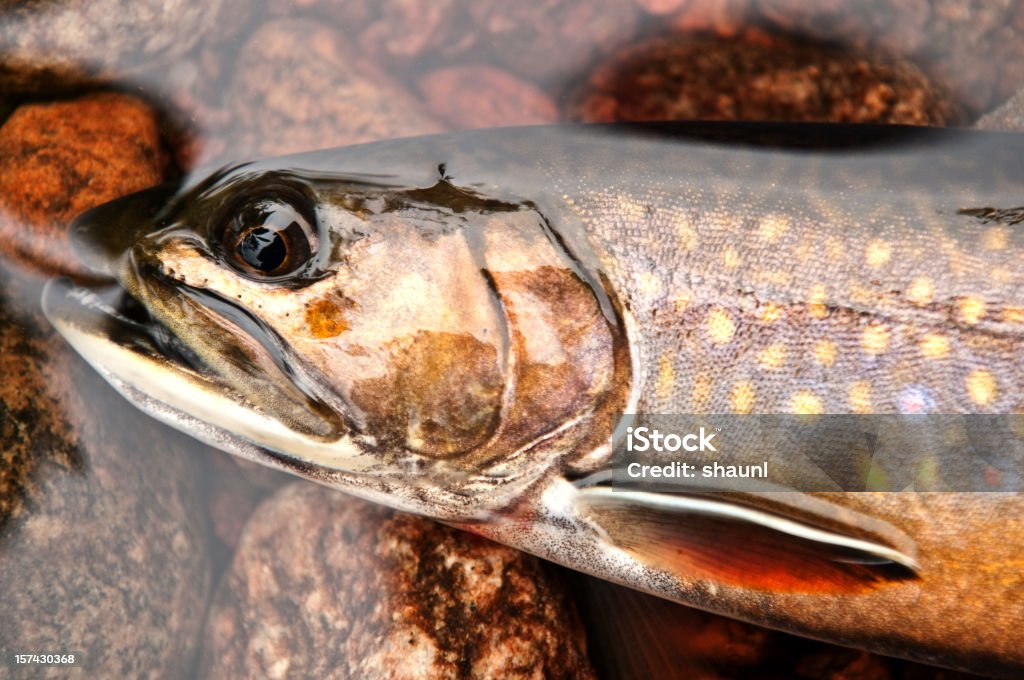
pixel 744 269
pixel 833 283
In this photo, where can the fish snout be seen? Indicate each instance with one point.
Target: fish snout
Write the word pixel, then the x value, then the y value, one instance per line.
pixel 102 236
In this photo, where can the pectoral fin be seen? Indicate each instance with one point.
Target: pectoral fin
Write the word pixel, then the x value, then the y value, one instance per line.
pixel 731 543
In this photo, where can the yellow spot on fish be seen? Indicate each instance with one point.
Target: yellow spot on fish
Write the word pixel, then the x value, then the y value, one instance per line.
pixel 326 317
pixel 775 277
pixel 878 253
pixel 651 285
pixel 927 475
pixel 859 396
pixel 877 479
pixel 875 339
pixel 730 258
pixel 825 352
pixel 803 250
pixel 972 310
pixel 805 403
pixel 772 227
pixel 772 357
pixel 995 238
pixel 666 377
pixel 921 291
pixel 1013 314
pixel 682 300
pixel 934 346
pixel 742 397
pixel 703 384
pixel 981 387
pixel 770 312
pixel 816 297
pixel 686 233
pixel 720 326
pixel 834 249
pixel 862 295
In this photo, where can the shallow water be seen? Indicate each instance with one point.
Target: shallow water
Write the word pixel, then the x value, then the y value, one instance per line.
pixel 116 533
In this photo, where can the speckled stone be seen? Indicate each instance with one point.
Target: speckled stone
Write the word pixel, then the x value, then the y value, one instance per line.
pixel 484 96
pixel 55 45
pixel 298 86
pixel 974 48
pixel 758 77
pixel 57 160
pixel 103 541
pixel 327 586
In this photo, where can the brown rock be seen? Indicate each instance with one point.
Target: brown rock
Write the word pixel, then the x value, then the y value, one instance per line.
pixel 54 45
pixel 483 96
pixel 550 41
pixel 366 592
pixel 758 77
pixel 407 34
pixel 57 160
pixel 298 86
pixel 401 30
pixel 104 543
pixel 973 48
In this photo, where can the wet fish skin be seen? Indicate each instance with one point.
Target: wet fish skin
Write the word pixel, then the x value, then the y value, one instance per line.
pixel 668 286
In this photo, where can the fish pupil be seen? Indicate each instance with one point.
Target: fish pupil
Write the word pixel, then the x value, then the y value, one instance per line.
pixel 263 249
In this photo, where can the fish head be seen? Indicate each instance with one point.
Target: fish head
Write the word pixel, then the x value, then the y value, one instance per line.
pixel 360 331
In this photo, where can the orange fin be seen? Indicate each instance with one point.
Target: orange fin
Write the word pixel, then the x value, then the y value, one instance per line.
pixel 728 543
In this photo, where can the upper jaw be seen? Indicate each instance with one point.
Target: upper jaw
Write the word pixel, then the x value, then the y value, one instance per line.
pixel 102 237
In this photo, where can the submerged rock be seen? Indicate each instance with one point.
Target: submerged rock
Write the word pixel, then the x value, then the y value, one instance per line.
pixel 103 538
pixel 299 86
pixel 484 96
pixel 758 77
pixel 57 45
pixel 327 586
pixel 59 159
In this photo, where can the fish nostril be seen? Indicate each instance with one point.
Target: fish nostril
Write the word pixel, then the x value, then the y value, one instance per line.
pixel 101 237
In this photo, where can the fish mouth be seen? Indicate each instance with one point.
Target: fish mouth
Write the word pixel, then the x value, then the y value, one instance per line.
pixel 149 364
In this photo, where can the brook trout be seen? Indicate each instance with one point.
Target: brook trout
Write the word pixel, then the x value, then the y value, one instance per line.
pixel 456 325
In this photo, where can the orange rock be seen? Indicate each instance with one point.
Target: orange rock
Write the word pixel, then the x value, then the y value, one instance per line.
pixel 484 96
pixel 57 160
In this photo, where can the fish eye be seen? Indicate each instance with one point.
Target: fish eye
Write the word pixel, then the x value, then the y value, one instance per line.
pixel 269 237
